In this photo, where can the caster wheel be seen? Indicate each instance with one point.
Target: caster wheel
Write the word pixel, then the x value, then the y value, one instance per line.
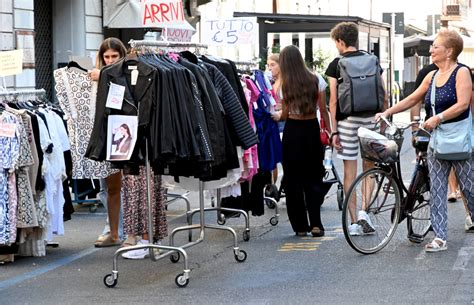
pixel 109 281
pixel 270 204
pixel 180 281
pixel 241 257
pixel 174 258
pixel 340 197
pixel 221 220
pixel 274 221
pixel 92 208
pixel 246 235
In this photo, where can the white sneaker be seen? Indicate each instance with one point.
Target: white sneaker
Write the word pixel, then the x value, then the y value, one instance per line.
pixel 355 230
pixel 364 221
pixel 469 226
pixel 137 254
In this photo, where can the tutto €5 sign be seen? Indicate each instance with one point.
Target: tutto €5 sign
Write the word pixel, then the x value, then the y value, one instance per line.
pixel 232 31
pixel 162 13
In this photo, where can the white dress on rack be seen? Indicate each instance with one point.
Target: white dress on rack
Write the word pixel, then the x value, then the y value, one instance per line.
pixel 54 172
pixel 76 93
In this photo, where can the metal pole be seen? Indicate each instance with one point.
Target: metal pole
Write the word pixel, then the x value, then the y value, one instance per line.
pixel 392 59
pixel 148 201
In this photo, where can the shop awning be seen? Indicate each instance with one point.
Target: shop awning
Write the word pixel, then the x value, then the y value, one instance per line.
pixel 130 14
pixel 417 44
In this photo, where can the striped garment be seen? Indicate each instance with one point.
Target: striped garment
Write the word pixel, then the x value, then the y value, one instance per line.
pixel 347 129
pixel 246 136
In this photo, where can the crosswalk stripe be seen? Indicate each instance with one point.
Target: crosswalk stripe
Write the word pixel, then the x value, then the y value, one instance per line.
pixel 288 250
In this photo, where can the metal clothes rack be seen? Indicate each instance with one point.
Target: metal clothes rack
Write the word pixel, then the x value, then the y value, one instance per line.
pixel 181 280
pixel 33 92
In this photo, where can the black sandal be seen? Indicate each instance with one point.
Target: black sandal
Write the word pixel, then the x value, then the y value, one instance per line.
pixel 317 232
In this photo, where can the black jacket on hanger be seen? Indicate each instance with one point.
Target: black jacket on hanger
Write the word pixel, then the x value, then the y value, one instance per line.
pixel 242 133
pixel 138 99
pixel 230 72
pixel 212 111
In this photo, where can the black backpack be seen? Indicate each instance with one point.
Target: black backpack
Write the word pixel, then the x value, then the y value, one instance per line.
pixel 360 91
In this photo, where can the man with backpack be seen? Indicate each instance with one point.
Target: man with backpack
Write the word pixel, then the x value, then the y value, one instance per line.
pixel 357 93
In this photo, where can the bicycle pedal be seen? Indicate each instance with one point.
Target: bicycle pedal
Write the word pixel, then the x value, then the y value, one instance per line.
pixel 416 238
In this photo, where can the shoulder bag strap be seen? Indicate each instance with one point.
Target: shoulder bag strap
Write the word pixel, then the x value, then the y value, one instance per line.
pixel 433 93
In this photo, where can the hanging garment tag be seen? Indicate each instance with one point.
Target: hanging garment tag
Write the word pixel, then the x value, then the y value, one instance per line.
pixel 134 77
pixel 255 105
pixel 122 131
pixel 115 96
pixel 7 130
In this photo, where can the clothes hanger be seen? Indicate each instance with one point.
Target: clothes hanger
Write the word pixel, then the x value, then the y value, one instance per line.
pixel 73 64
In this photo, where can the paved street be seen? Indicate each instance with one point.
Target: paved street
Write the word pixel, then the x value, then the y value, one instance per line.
pixel 280 268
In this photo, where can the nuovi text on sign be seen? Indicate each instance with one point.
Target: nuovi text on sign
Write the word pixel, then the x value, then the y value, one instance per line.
pixel 231 31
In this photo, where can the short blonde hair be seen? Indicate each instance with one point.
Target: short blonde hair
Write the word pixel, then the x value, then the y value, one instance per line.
pixel 452 40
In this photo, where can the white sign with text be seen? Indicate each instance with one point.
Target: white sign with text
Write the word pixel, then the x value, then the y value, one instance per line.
pixel 232 31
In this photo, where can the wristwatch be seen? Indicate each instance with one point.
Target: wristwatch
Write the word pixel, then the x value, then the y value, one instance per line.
pixel 333 134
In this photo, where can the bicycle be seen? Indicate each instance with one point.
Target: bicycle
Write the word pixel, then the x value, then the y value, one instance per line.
pixel 381 193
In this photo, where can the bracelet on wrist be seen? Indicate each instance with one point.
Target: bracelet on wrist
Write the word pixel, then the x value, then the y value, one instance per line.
pixel 334 133
pixel 441 117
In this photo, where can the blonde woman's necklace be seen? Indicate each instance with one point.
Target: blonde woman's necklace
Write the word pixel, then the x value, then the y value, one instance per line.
pixel 449 70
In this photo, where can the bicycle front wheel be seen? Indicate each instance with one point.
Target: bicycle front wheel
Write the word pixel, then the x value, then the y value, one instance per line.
pixel 418 217
pixel 376 193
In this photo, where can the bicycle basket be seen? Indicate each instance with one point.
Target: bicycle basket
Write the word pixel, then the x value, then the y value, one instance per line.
pixel 422 139
pixel 378 148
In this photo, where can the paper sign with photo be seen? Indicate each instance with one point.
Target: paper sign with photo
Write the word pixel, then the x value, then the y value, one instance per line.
pixel 121 137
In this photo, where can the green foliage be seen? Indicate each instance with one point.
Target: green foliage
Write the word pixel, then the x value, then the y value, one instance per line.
pixel 320 61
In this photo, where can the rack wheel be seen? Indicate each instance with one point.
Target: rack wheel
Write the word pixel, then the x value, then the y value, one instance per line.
pixel 174 258
pixel 246 235
pixel 221 219
pixel 109 280
pixel 340 197
pixel 180 281
pixel 270 204
pixel 274 221
pixel 241 257
pixel 92 208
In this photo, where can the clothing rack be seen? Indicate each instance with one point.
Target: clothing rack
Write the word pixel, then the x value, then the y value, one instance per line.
pixel 247 63
pixel 93 203
pixel 157 43
pixel 181 280
pixel 35 92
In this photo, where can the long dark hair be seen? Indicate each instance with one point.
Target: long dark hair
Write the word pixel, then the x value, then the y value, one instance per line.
pixel 299 84
pixel 110 43
pixel 125 126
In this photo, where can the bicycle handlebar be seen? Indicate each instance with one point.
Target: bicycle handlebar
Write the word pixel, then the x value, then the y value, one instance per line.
pixel 399 128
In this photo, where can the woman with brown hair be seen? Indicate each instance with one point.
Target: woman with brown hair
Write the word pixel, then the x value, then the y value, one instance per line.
pixel 110 51
pixel 302 149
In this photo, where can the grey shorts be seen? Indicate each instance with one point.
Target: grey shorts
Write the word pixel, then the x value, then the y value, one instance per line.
pixel 348 135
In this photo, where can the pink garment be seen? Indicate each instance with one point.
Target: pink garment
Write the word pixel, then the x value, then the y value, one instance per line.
pixel 250 157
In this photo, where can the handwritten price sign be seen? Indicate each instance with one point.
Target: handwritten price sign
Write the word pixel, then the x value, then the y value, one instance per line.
pixel 232 31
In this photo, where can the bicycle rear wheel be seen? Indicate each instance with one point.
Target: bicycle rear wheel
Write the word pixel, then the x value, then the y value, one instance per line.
pixel 378 194
pixel 418 217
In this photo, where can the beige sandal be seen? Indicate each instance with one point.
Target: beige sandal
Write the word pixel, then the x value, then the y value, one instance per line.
pixel 436 245
pixel 108 242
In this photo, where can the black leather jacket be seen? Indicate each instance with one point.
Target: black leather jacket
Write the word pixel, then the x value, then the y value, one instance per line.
pixel 138 100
